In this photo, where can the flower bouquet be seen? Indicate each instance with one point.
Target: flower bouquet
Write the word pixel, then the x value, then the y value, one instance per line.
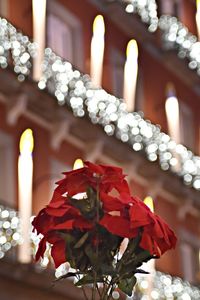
pixel 90 216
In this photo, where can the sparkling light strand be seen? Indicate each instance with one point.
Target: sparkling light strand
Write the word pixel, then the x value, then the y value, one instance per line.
pixel 76 90
pixel 175 35
pixel 164 285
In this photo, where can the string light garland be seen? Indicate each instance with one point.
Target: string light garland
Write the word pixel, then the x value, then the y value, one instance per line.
pixel 175 35
pixel 164 286
pixel 76 90
pixel 9 230
pixel 146 9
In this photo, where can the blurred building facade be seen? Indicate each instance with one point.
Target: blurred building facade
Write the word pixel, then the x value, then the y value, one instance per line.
pixel 62 133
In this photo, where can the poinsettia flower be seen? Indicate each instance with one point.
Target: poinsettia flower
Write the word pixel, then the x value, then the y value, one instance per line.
pixel 157 237
pixel 58 252
pixel 119 213
pixel 118 225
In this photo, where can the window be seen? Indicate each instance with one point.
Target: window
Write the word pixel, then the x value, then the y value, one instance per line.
pixel 56 167
pixel 117 61
pixel 186 125
pixel 3 8
pixel 7 195
pixel 170 7
pixel 190 256
pixel 64 34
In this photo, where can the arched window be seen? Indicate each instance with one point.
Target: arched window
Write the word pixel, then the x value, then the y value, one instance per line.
pixel 64 34
pixel 7 195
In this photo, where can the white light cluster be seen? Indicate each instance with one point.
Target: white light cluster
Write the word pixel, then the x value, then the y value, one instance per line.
pixel 74 89
pixel 9 230
pixel 146 9
pixel 176 36
pixel 165 287
pixel 18 46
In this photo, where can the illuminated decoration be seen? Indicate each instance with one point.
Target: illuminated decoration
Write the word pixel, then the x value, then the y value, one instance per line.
pixel 130 74
pixel 164 285
pixel 19 46
pixel 25 178
pixel 198 17
pixel 176 36
pixel 150 265
pixel 9 230
pixel 39 35
pixel 76 90
pixel 149 202
pixel 97 51
pixel 172 113
pixel 78 164
pixel 146 9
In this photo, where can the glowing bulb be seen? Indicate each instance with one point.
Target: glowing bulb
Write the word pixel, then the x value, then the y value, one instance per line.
pixel 198 5
pixel 78 164
pixel 132 50
pixel 149 202
pixel 26 142
pixel 172 113
pixel 97 51
pixel 98 26
pixel 130 74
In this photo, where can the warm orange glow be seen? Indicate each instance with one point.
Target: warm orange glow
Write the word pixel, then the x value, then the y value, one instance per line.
pixel 97 51
pixel 131 74
pixel 78 164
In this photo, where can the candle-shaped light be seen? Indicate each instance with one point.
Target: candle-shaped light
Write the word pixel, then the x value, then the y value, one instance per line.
pixel 25 178
pixel 131 74
pixel 39 35
pixel 198 17
pixel 150 265
pixel 97 50
pixel 149 202
pixel 78 164
pixel 172 113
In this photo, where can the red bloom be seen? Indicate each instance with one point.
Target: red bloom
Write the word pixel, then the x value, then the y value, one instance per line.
pixel 121 214
pixel 157 237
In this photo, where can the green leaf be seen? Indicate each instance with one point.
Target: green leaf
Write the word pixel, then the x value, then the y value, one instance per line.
pixel 87 279
pixel 126 285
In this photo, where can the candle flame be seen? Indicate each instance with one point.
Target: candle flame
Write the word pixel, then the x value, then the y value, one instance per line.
pixel 98 26
pixel 78 164
pixel 132 50
pixel 198 5
pixel 149 202
pixel 26 143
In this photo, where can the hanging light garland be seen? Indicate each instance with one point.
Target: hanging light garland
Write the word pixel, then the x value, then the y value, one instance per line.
pixel 164 286
pixel 76 90
pixel 176 36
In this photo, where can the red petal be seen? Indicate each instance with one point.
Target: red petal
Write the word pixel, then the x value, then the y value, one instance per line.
pixel 58 253
pixel 41 249
pixel 117 225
